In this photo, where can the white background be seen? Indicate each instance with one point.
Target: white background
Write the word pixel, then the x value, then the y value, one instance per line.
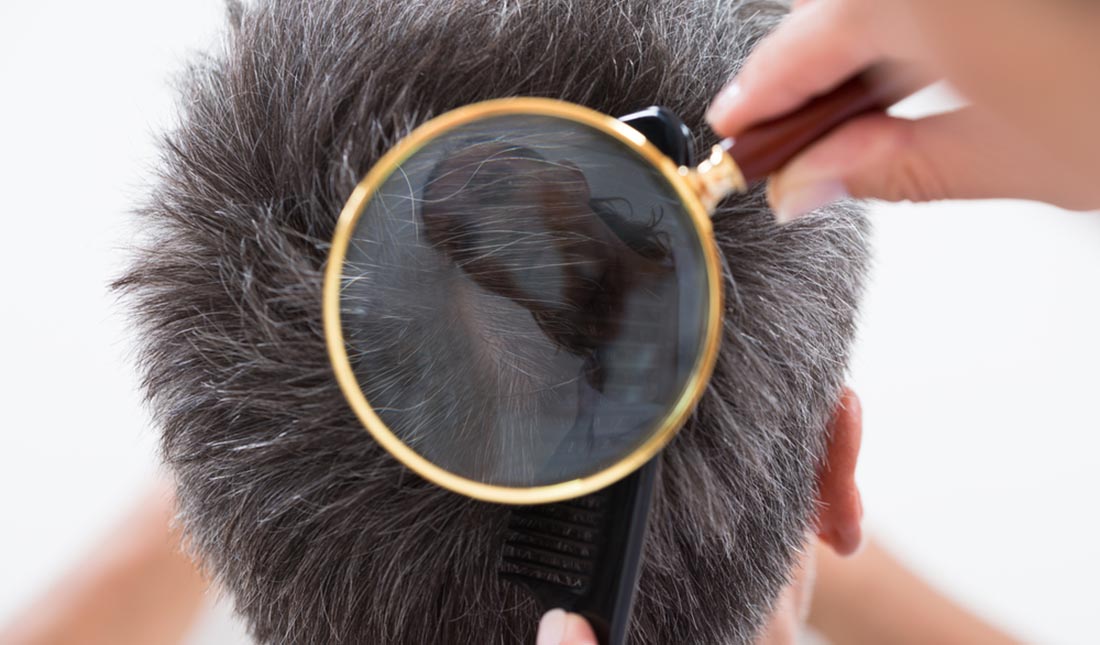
pixel 977 361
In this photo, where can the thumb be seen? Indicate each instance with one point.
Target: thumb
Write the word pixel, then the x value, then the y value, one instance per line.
pixel 560 628
pixel 965 154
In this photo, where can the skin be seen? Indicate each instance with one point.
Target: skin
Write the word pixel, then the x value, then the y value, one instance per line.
pixel 849 594
pixel 135 588
pixel 838 530
pixel 872 598
pixel 139 588
pixel 1027 68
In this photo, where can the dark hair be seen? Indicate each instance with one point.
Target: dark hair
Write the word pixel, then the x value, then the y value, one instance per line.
pixel 316 532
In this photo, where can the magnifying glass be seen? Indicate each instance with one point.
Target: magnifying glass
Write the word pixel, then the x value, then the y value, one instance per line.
pixel 523 297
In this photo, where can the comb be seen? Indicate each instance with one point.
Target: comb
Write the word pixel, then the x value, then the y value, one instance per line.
pixel 584 555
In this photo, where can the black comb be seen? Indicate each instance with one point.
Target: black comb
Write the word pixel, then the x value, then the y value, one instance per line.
pixel 584 555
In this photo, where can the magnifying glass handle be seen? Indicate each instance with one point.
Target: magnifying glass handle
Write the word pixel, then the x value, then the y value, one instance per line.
pixel 766 147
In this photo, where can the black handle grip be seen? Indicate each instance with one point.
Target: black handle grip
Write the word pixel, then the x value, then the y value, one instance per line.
pixel 608 604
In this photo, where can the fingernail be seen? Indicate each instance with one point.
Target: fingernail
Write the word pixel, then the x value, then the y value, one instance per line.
pixel 724 102
pixel 552 628
pixel 793 203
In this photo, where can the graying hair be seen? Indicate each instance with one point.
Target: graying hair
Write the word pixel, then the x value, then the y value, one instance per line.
pixel 316 532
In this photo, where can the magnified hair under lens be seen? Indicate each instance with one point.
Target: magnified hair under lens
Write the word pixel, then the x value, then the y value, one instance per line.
pixel 525 304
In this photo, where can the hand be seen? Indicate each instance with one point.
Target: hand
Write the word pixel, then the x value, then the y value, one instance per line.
pixel 136 587
pixel 560 628
pixel 1031 131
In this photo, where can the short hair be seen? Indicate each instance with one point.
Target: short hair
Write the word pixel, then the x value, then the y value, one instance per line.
pixel 318 534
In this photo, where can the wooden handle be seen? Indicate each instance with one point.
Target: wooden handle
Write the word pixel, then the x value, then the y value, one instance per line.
pixel 768 146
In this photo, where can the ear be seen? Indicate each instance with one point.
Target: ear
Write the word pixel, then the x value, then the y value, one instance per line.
pixel 840 509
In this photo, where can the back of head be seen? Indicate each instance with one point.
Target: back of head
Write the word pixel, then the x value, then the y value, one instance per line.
pixel 320 535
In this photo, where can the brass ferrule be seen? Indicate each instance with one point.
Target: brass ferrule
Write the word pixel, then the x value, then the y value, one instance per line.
pixel 715 178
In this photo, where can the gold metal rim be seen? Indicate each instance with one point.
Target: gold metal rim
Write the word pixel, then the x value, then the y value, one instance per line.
pixel 334 334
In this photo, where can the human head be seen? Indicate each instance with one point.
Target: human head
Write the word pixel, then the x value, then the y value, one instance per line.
pixel 317 533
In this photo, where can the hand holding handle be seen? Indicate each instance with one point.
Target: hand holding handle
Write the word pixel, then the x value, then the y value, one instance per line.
pixel 766 147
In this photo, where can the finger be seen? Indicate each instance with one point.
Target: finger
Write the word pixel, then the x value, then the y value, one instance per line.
pixel 960 155
pixel 815 48
pixel 559 628
pixel 578 632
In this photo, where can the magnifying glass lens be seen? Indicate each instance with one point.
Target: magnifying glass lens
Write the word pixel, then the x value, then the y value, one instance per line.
pixel 524 300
